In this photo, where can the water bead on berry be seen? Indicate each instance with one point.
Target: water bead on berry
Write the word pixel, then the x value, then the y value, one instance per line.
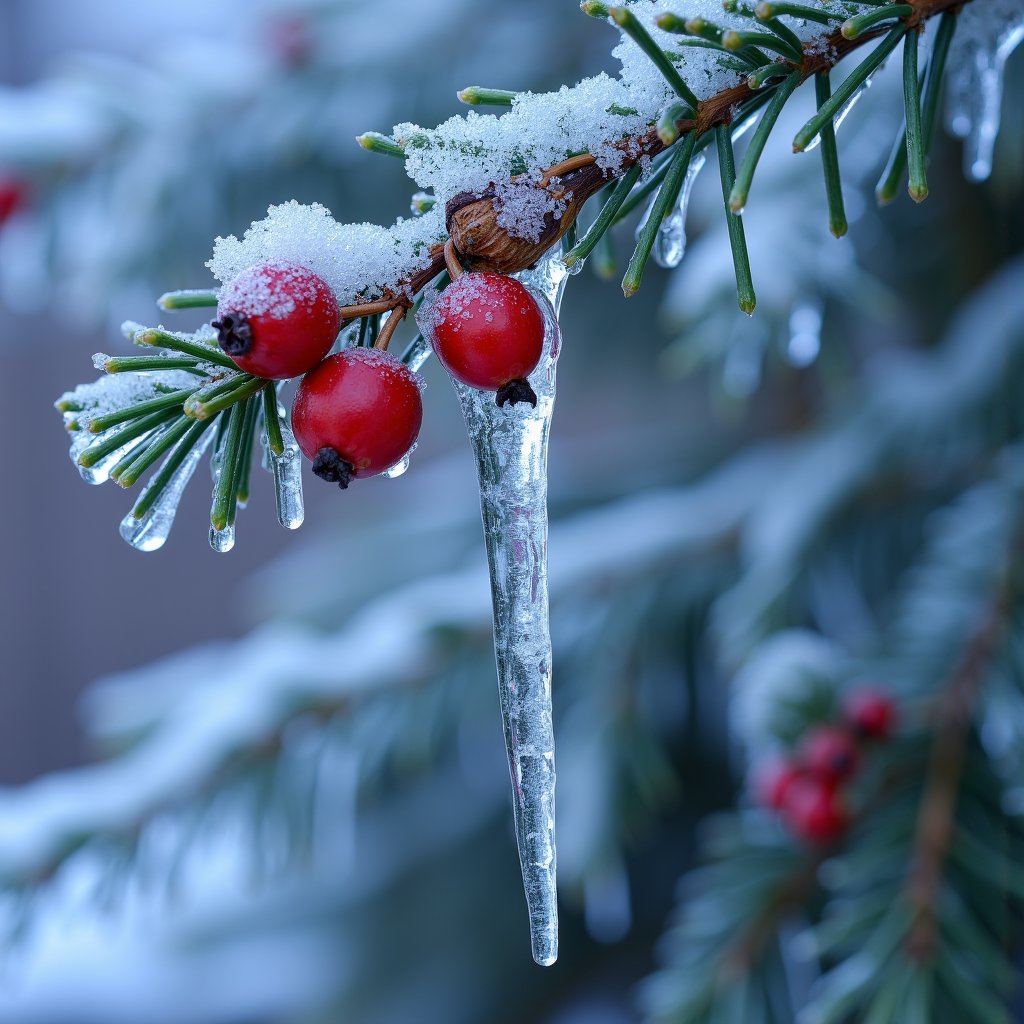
pixel 277 320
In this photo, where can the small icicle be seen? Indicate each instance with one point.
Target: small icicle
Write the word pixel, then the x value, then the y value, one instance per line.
pixel 419 352
pixel 670 242
pixel 287 470
pixel 150 532
pixel 983 42
pixel 510 445
pixel 842 115
pixel 99 473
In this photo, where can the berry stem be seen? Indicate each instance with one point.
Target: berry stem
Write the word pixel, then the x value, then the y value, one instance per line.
pixel 390 326
pixel 573 163
pixel 366 309
pixel 451 259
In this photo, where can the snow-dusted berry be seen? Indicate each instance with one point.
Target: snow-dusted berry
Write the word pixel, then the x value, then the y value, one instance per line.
pixel 814 811
pixel 12 197
pixel 277 320
pixel 870 711
pixel 357 414
pixel 829 753
pixel 489 334
pixel 772 781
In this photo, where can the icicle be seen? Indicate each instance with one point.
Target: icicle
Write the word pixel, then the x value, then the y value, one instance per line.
pixel 419 352
pixel 670 242
pixel 842 115
pixel 510 445
pixel 804 341
pixel 287 470
pixel 150 532
pixel 99 473
pixel 983 42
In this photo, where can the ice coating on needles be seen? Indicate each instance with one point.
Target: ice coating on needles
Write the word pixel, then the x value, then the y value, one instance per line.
pixel 510 446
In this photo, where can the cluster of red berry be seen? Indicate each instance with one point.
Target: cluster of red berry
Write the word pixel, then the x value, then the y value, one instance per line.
pixel 806 787
pixel 358 412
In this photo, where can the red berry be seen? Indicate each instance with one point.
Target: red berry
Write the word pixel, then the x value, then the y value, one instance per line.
pixel 12 197
pixel 357 414
pixel 489 333
pixel 277 320
pixel 813 811
pixel 772 782
pixel 870 711
pixel 829 753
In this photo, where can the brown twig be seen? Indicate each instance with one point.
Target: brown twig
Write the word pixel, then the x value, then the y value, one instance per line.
pixel 390 326
pixel 936 819
pixel 451 261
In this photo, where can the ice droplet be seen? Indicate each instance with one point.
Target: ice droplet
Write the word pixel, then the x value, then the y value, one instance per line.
pixel 223 540
pixel 287 470
pixel 670 242
pixel 842 115
pixel 150 532
pixel 804 342
pixel 99 473
pixel 981 46
pixel 401 466
pixel 510 445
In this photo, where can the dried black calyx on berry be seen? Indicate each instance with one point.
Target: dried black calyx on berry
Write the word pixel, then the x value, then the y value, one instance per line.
pixel 516 391
pixel 330 466
pixel 234 335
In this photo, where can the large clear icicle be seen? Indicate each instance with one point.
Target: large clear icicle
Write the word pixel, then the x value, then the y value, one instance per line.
pixel 510 445
pixel 985 37
pixel 150 532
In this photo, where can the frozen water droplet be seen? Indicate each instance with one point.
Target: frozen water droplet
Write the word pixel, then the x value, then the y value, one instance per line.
pixel 287 470
pixel 150 532
pixel 401 466
pixel 510 446
pixel 223 540
pixel 804 342
pixel 842 115
pixel 981 46
pixel 578 265
pixel 99 473
pixel 670 242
